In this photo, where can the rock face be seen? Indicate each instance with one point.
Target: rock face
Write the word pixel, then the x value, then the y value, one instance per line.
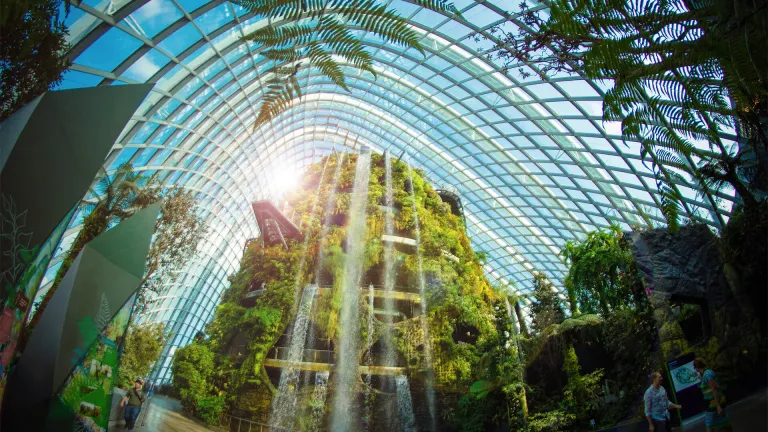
pixel 685 264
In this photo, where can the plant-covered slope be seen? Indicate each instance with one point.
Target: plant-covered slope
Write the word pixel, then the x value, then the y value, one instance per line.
pixel 460 313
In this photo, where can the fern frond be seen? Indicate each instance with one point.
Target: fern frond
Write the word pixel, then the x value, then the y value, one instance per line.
pixel 441 6
pixel 290 9
pixel 283 54
pixel 323 61
pixel 382 22
pixel 670 200
pixel 285 36
pixel 281 93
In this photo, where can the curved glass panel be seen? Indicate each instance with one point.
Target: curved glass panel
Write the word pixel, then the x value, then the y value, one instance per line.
pixel 531 159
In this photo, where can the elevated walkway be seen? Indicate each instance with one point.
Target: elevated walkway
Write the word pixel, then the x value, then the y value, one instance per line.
pixel 274 226
pixel 379 292
pixel 316 367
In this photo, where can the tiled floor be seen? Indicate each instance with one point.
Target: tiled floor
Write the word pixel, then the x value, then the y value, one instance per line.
pixel 163 415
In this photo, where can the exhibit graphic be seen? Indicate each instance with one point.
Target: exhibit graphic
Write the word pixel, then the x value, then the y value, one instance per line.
pixel 18 304
pixel 684 376
pixel 88 391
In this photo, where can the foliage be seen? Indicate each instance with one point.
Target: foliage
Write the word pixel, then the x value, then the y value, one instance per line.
pixel 498 396
pixel 309 34
pixel 118 196
pixel 582 391
pixel 192 369
pixel 683 76
pixel 474 415
pixel 570 325
pixel 32 46
pixel 178 231
pixel 745 253
pixel 546 309
pixel 460 300
pixel 556 420
pixel 210 408
pixel 601 274
pixel 629 337
pixel 143 344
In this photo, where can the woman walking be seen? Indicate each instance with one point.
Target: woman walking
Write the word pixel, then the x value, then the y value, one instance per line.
pixel 715 417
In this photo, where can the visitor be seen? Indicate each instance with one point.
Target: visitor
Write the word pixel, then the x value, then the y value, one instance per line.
pixel 132 403
pixel 715 417
pixel 657 405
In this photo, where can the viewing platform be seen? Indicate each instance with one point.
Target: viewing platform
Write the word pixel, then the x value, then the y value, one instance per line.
pixel 274 226
pixel 317 367
pixel 380 293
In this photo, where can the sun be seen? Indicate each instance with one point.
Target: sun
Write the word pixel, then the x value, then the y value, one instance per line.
pixel 284 179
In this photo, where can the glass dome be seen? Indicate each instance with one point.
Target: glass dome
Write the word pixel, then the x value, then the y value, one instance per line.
pixel 531 159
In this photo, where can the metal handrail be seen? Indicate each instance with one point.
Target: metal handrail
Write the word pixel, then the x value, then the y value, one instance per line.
pixel 245 425
pixel 325 356
pixel 379 287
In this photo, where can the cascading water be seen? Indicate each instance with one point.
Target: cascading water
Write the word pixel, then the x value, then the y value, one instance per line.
pixel 310 342
pixel 284 404
pixel 388 347
pixel 429 371
pixel 513 320
pixel 317 403
pixel 368 359
pixel 328 213
pixel 307 232
pixel 404 404
pixel 281 412
pixel 347 365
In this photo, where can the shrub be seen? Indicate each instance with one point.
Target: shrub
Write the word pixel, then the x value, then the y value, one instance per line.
pixel 209 409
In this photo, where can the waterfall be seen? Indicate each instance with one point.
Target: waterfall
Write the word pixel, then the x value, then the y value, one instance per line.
pixel 328 213
pixel 317 403
pixel 310 342
pixel 509 312
pixel 389 266
pixel 347 368
pixel 389 357
pixel 284 404
pixel 429 371
pixel 404 404
pixel 368 360
pixel 307 232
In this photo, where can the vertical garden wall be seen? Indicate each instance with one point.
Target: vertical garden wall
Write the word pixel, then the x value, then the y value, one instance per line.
pixel 247 340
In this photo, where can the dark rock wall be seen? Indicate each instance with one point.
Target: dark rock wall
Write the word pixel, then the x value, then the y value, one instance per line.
pixel 684 265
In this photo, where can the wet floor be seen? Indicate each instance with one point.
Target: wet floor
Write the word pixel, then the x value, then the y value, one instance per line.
pixel 163 415
pixel 747 415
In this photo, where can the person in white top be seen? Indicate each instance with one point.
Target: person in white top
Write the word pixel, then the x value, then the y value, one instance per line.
pixel 657 405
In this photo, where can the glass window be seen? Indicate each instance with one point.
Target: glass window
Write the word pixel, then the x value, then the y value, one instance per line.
pixel 153 17
pixel 146 66
pixel 108 51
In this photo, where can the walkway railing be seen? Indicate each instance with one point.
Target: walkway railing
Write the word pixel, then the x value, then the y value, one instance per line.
pixel 237 424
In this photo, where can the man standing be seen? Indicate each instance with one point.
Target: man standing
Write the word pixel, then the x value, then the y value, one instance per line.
pixel 657 405
pixel 132 403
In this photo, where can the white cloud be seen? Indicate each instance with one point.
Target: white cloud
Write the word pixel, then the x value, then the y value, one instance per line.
pixel 143 69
